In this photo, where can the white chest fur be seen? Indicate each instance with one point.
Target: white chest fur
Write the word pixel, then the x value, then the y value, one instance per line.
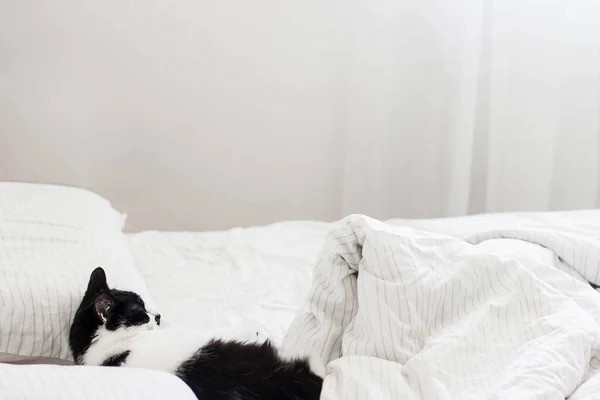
pixel 160 349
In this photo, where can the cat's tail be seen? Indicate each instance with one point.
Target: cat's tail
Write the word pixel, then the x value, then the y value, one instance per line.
pixel 315 363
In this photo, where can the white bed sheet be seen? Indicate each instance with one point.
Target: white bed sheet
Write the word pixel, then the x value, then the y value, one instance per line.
pixel 253 281
pixel 246 283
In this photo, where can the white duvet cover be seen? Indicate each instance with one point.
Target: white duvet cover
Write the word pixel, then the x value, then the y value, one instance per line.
pixel 396 313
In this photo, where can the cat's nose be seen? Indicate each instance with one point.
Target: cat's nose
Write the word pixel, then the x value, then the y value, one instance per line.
pixel 157 319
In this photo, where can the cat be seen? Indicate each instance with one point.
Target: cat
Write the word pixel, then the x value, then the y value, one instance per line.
pixel 113 328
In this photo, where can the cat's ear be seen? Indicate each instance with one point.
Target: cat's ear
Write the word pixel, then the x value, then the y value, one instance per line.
pixel 97 281
pixel 103 305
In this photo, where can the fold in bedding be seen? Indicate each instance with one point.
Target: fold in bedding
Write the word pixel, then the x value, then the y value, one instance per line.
pixel 399 313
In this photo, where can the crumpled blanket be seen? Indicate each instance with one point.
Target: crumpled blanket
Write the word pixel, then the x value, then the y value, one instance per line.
pixel 395 313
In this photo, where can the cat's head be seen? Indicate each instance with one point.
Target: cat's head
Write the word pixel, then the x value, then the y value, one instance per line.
pixel 107 309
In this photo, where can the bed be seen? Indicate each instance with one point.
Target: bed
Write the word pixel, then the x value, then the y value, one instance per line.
pixel 254 283
pixel 256 279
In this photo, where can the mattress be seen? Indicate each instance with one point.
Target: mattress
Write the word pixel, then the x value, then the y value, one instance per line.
pixel 251 282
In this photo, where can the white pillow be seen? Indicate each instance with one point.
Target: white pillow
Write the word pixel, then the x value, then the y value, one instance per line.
pixel 53 382
pixel 51 238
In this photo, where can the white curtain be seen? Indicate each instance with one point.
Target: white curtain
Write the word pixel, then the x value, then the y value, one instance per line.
pixel 459 107
pixel 204 114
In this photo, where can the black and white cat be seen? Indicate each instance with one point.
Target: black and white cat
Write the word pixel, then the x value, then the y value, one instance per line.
pixel 113 328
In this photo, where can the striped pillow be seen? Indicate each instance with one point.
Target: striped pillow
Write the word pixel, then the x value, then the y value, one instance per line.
pixel 51 238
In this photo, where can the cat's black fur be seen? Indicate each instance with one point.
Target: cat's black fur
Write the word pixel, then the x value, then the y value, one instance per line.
pixel 228 370
pixel 116 360
pixel 219 370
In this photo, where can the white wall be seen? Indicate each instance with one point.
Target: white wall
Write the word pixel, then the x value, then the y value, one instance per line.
pixel 205 114
pixel 187 114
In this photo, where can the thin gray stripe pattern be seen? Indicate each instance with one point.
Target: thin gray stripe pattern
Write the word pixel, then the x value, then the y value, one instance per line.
pixel 51 238
pixel 53 382
pixel 429 316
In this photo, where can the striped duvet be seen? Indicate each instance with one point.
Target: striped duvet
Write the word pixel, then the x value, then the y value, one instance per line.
pixel 395 313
